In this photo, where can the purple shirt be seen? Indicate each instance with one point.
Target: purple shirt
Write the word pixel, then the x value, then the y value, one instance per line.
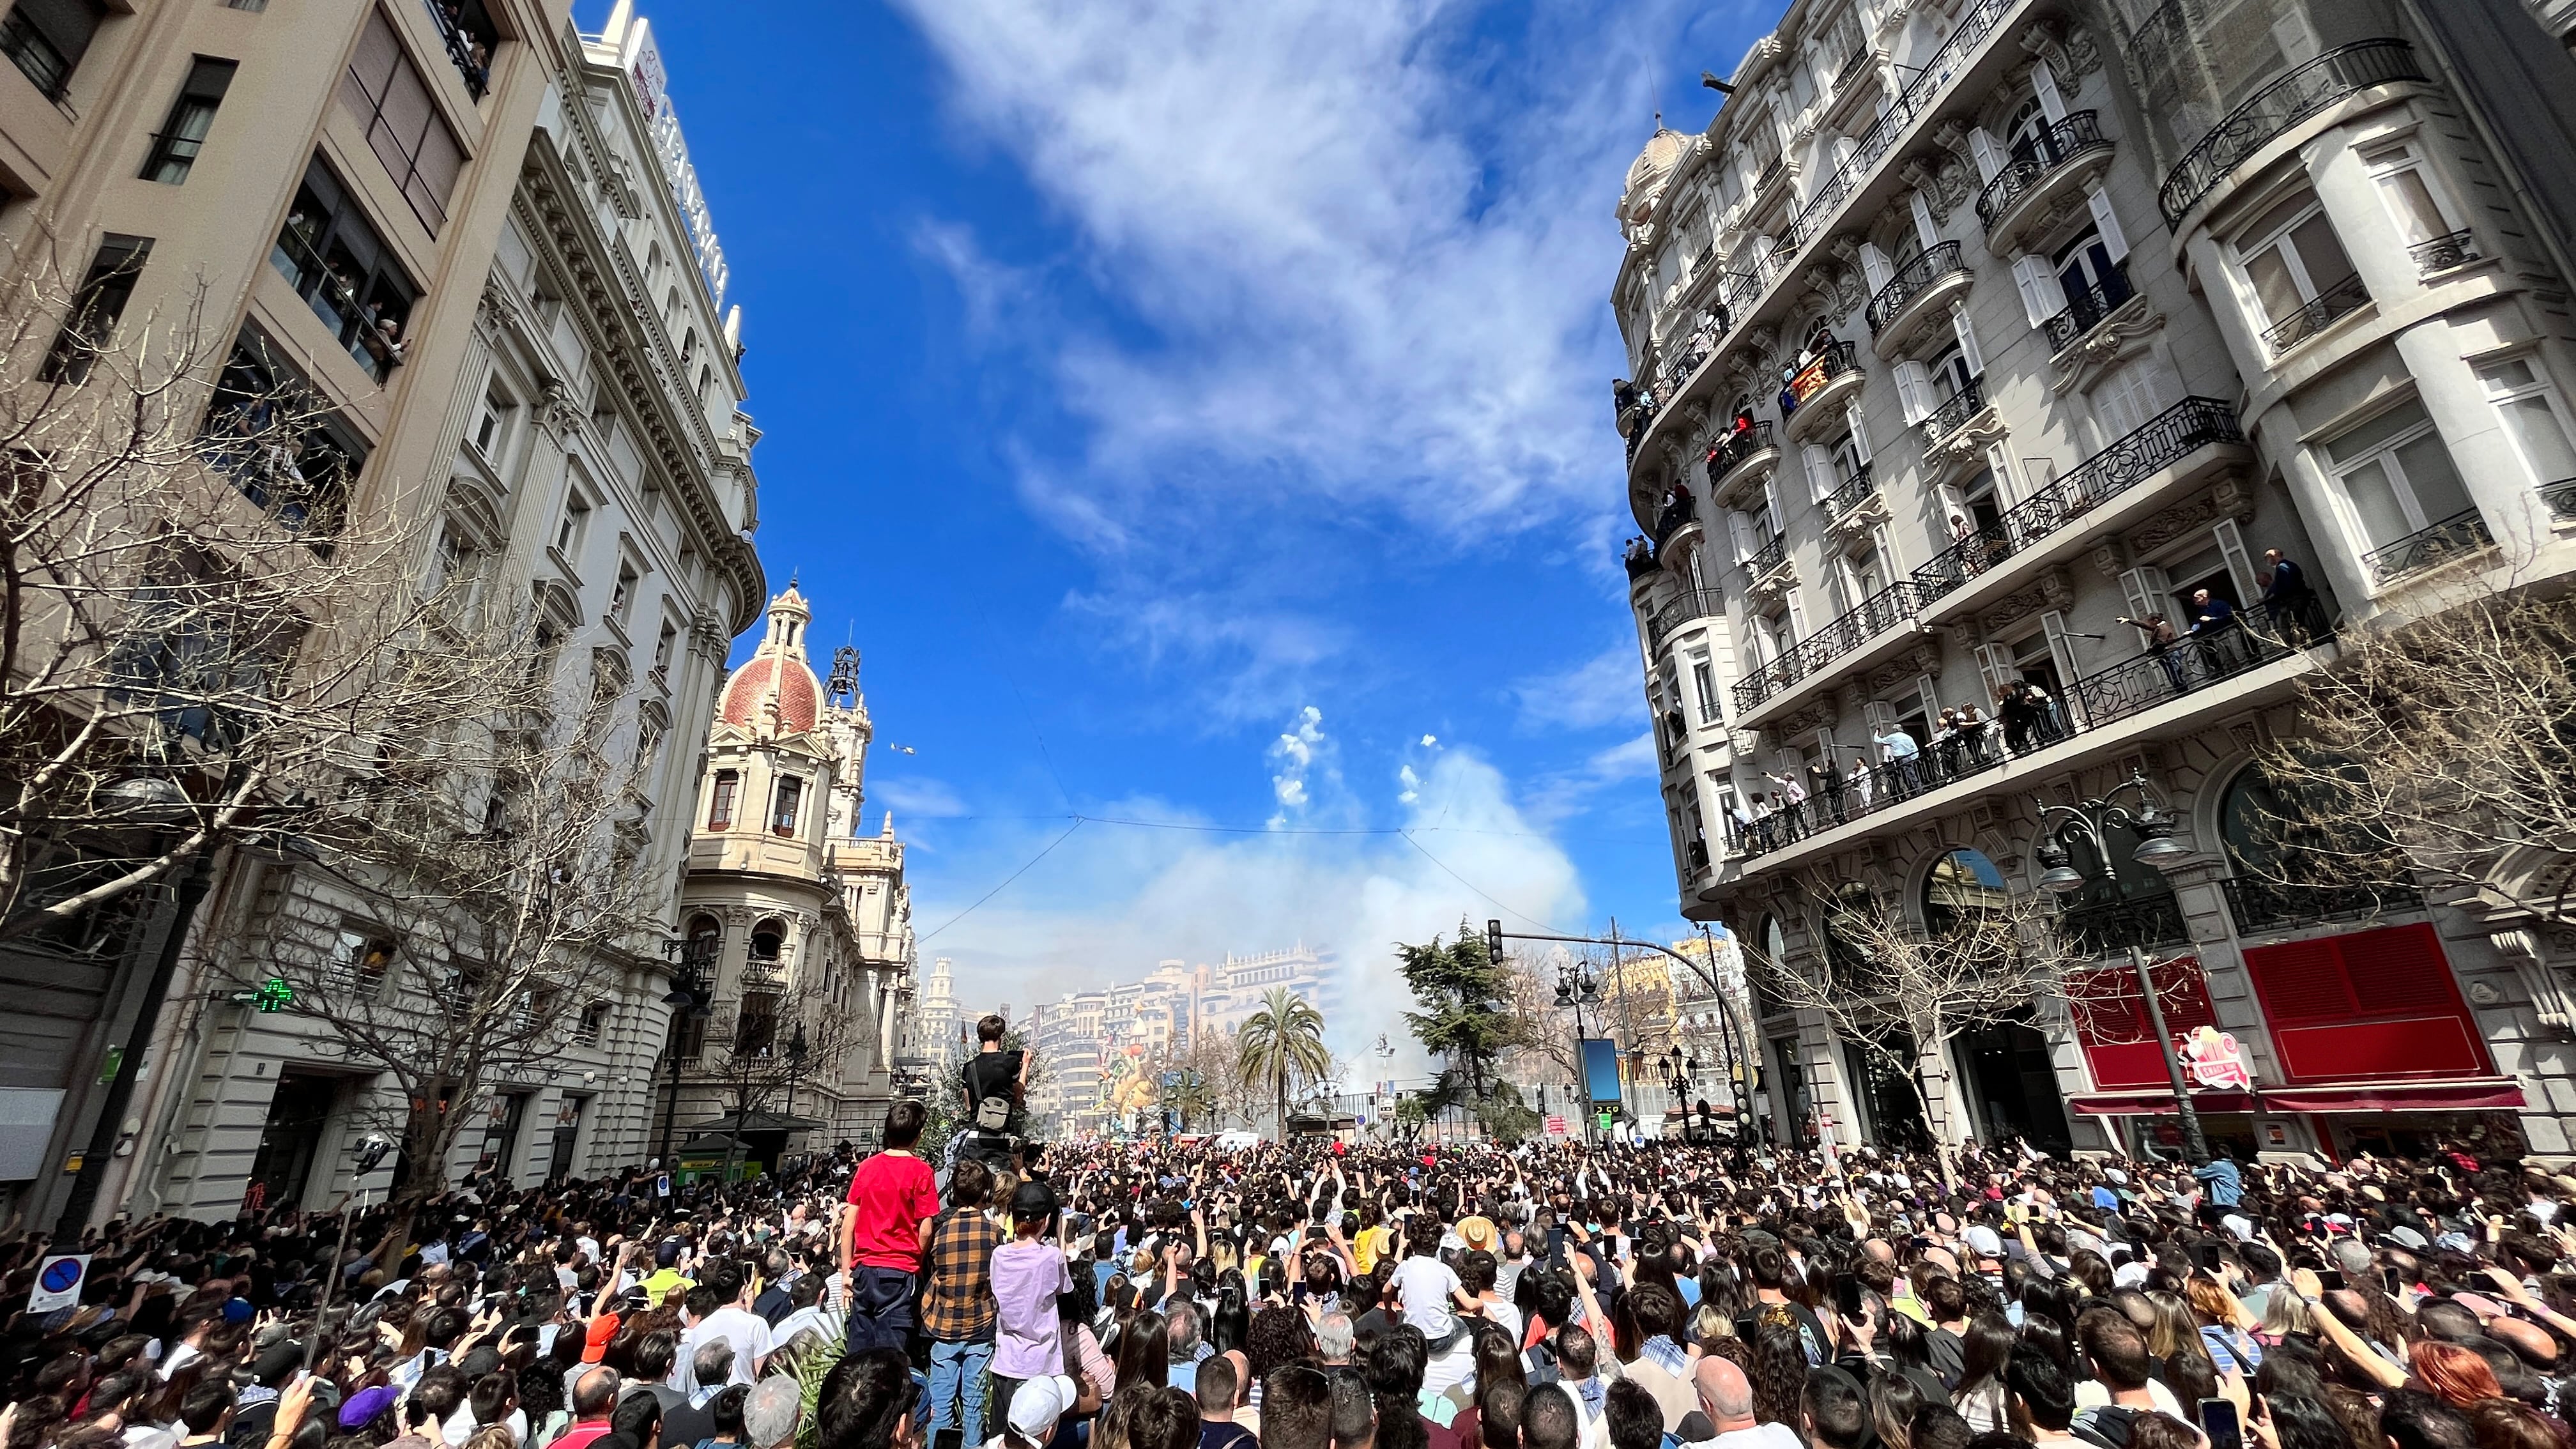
pixel 1028 1337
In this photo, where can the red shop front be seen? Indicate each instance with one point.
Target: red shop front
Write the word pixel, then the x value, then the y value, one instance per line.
pixel 2369 1034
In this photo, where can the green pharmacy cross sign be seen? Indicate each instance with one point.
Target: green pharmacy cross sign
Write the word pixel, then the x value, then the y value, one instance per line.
pixel 273 995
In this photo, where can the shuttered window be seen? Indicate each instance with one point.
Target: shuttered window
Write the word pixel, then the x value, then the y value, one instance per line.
pixel 2366 1005
pixel 389 98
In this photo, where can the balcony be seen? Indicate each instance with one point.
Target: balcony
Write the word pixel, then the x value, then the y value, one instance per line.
pixel 2192 663
pixel 1953 415
pixel 1677 515
pixel 1770 175
pixel 2560 498
pixel 2455 537
pixel 1816 389
pixel 2455 249
pixel 1921 287
pixel 36 55
pixel 2164 441
pixel 1851 493
pixel 2302 92
pixel 1738 456
pixel 470 37
pixel 2061 160
pixel 2086 309
pixel 1771 556
pixel 2317 315
pixel 2263 905
pixel 1853 68
pixel 1856 626
pixel 1691 606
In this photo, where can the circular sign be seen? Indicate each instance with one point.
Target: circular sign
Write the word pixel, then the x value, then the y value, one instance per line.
pixel 61 1275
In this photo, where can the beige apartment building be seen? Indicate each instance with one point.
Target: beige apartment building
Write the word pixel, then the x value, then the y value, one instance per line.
pixel 1968 331
pixel 473 237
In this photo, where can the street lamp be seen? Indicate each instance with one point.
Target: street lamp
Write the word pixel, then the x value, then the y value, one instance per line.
pixel 2091 823
pixel 688 997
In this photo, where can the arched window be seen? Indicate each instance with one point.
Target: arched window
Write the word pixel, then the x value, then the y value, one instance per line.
pixel 1773 945
pixel 706 938
pixel 768 939
pixel 2248 818
pixel 2026 134
pixel 1962 884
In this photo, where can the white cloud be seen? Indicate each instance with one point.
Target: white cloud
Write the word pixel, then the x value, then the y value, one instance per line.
pixel 1605 689
pixel 1294 754
pixel 1113 902
pixel 1350 251
pixel 1567 792
pixel 916 796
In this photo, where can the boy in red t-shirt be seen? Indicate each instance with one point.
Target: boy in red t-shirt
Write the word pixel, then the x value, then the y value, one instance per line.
pixel 884 1231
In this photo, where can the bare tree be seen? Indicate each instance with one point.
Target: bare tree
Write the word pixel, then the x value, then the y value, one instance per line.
pixel 1900 995
pixel 781 1031
pixel 1542 1032
pixel 2438 752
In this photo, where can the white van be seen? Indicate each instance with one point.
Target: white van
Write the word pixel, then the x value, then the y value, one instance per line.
pixel 1237 1140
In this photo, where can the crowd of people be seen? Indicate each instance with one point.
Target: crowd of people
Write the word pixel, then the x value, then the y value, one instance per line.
pixel 1322 1295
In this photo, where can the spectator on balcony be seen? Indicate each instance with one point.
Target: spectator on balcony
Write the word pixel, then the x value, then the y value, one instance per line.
pixel 1901 752
pixel 2289 602
pixel 1946 745
pixel 2213 623
pixel 1828 791
pixel 1977 728
pixel 2158 633
pixel 1793 803
pixel 1789 390
pixel 1747 825
pixel 1864 785
pixel 1641 553
pixel 2022 715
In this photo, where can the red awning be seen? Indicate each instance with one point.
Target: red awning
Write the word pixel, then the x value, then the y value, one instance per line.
pixel 2490 1093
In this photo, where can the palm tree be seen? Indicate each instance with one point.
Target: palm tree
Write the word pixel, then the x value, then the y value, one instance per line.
pixel 1279 1043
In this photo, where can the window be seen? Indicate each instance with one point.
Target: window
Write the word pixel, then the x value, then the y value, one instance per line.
pixel 593 1024
pixel 466 26
pixel 492 429
pixel 2128 398
pixel 265 431
pixel 359 962
pixel 1704 686
pixel 662 646
pixel 96 307
pixel 2533 417
pixel 2086 263
pixel 47 38
pixel 337 263
pixel 2298 272
pixel 768 943
pixel 457 566
pixel 183 135
pixel 392 104
pixel 782 814
pixel 648 739
pixel 2410 198
pixel 2397 476
pixel 1962 885
pixel 756 1028
pixel 621 601
pixel 720 802
pixel 576 523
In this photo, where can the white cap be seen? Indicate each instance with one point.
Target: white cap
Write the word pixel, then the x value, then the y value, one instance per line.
pixel 1982 1241
pixel 1038 1403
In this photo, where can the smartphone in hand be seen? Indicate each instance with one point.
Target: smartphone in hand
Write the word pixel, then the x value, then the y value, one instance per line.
pixel 2218 1419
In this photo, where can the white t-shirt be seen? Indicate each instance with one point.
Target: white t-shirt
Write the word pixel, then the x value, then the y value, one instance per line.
pixel 1424 1285
pixel 748 1332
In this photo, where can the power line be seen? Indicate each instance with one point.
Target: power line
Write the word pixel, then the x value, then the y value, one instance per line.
pixel 1006 880
pixel 1471 885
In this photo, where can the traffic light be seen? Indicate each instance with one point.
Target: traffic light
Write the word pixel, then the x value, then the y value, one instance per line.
pixel 1494 940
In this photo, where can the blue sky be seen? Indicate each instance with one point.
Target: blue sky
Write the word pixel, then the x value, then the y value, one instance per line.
pixel 1198 413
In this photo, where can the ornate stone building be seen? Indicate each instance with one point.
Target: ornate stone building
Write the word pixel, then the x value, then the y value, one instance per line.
pixel 796 921
pixel 1969 331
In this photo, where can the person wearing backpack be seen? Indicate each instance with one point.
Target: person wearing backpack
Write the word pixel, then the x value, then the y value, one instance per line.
pixel 995 1081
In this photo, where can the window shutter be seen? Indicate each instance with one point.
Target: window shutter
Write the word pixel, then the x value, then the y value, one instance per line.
pixel 2145 586
pixel 2061 650
pixel 1771 505
pixel 1838 590
pixel 1825 742
pixel 1967 334
pixel 1995 667
pixel 1880 717
pixel 2240 564
pixel 2043 82
pixel 1875 268
pixel 1924 230
pixel 1913 391
pixel 1859 426
pixel 2042 296
pixel 1981 149
pixel 1740 530
pixel 1999 464
pixel 1797 619
pixel 1820 471
pixel 1929 690
pixel 2107 222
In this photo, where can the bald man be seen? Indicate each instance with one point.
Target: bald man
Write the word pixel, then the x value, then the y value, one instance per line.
pixel 1727 1399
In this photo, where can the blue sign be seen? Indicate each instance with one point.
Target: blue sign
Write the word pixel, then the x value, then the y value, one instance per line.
pixel 1601 1069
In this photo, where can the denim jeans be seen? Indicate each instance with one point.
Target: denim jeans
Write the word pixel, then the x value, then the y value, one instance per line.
pixel 957 1382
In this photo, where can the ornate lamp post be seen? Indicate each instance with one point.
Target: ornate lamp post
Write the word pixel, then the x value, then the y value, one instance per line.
pixel 1576 988
pixel 2090 822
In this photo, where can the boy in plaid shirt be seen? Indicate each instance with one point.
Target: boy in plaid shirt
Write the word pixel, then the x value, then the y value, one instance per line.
pixel 957 1307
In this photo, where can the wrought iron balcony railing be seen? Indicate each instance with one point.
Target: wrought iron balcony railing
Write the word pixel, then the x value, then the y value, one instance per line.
pixel 2449 250
pixel 2560 497
pixel 1735 447
pixel 2031 161
pixel 2086 309
pixel 1771 555
pixel 2301 93
pixel 1974 24
pixel 1692 604
pixel 2313 318
pixel 1911 280
pixel 1946 419
pixel 1832 363
pixel 1854 67
pixel 2191 663
pixel 1854 627
pixel 1853 492
pixel 2461 533
pixel 2111 927
pixel 2165 439
pixel 2264 905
